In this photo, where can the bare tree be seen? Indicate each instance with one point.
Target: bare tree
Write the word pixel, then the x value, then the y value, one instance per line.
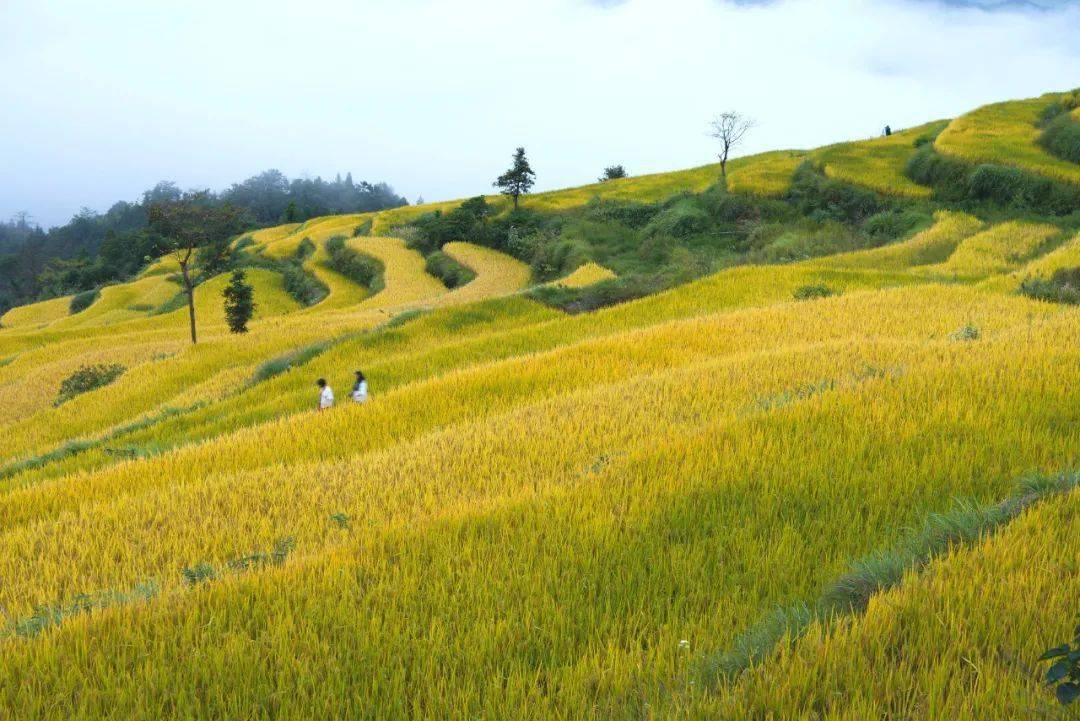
pixel 729 128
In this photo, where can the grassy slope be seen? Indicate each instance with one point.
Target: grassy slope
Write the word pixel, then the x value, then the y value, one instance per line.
pixel 1005 133
pixel 878 164
pixel 535 511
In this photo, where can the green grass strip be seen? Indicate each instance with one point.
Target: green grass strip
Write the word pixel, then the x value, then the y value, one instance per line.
pixel 963 525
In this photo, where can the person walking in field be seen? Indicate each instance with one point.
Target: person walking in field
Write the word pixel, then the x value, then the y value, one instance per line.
pixel 359 389
pixel 326 394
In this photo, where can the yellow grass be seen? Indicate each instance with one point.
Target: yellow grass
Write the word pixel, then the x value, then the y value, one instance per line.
pixel 37 314
pixel 1067 255
pixel 931 246
pixel 553 463
pixel 585 275
pixel 125 301
pixel 539 515
pixel 965 633
pixel 1005 133
pixel 878 163
pixel 999 249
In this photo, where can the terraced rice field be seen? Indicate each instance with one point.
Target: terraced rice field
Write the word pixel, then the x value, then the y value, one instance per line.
pixel 540 515
pixel 1005 133
pixel 879 163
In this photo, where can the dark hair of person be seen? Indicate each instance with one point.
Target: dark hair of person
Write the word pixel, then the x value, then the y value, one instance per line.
pixel 321 383
pixel 360 376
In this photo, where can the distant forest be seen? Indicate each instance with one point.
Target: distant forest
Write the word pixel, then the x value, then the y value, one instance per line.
pixel 98 248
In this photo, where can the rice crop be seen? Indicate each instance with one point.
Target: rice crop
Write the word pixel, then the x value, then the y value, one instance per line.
pixel 1006 133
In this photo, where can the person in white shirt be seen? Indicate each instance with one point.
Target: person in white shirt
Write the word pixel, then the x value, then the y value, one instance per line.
pixel 359 389
pixel 326 395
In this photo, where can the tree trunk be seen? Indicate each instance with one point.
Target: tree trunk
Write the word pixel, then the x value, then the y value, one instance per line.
pixel 516 196
pixel 190 300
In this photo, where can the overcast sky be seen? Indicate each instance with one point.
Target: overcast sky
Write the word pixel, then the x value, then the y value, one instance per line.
pixel 103 99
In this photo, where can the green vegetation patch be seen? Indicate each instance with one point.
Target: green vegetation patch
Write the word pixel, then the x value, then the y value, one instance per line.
pixel 82 301
pixel 1062 287
pixel 88 378
pixel 963 525
pixel 452 273
pixel 359 268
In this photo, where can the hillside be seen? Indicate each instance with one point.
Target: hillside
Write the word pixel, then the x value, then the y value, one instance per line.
pixel 803 445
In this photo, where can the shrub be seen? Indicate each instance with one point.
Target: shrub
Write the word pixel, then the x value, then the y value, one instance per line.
pixel 894 224
pixel 198 573
pixel 946 176
pixel 613 172
pixel 1062 138
pixel 452 273
pixel 1065 104
pixel 1062 287
pixel 552 257
pixel 633 215
pixel 88 378
pixel 304 250
pixel 956 180
pixel 682 219
pixel 603 294
pixel 967 333
pixel 1064 671
pixel 821 198
pixel 82 301
pixel 363 229
pixel 809 292
pixel 357 267
pixel 302 285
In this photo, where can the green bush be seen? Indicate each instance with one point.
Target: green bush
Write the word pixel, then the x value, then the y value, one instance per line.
pixel 809 292
pixel 1064 671
pixel 357 267
pixel 553 257
pixel 633 215
pixel 1062 287
pixel 302 285
pixel 1061 137
pixel 605 293
pixel 948 177
pixel 362 229
pixel 304 250
pixel 82 301
pixel 968 333
pixel 452 273
pixel 682 219
pixel 820 198
pixel 88 378
pixel 955 180
pixel 725 207
pixel 893 224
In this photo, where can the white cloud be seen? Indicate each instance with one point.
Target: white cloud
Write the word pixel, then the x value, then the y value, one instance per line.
pixel 105 99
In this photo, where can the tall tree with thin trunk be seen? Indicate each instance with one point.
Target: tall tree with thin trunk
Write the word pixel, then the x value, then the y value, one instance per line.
pixel 193 221
pixel 729 129
pixel 518 180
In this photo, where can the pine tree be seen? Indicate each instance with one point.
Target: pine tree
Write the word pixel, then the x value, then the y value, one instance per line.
pixel 518 180
pixel 239 302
